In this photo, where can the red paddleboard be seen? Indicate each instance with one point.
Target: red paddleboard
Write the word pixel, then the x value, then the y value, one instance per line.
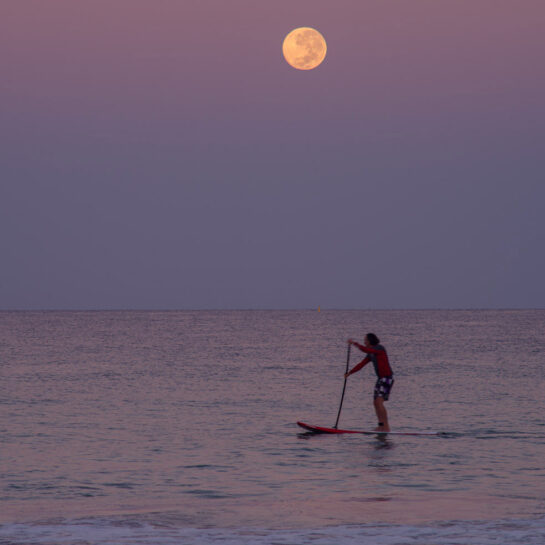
pixel 320 429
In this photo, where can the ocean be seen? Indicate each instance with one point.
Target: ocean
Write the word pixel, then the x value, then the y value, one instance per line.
pixel 179 427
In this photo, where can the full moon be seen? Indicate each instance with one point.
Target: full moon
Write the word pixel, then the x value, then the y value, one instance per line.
pixel 304 48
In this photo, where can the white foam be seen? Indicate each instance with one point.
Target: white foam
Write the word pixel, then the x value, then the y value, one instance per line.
pixel 134 532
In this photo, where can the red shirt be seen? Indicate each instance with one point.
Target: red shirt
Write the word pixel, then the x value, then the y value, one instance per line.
pixel 379 357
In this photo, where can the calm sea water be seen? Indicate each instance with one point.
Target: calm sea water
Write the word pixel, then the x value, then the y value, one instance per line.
pixel 179 427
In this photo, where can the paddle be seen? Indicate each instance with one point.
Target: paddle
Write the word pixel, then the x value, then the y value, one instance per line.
pixel 344 387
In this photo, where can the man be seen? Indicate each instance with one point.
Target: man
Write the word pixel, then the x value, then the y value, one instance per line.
pixel 385 376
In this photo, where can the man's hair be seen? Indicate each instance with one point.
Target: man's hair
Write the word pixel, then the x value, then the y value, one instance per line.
pixel 373 339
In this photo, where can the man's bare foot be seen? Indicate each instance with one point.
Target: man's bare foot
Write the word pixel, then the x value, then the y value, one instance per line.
pixel 382 428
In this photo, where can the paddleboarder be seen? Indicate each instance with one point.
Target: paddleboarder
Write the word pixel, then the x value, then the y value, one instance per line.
pixel 385 376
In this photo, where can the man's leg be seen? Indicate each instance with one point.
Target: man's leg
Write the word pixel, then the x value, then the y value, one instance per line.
pixel 382 415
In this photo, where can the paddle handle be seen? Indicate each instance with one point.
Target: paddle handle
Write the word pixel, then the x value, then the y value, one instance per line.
pixel 344 387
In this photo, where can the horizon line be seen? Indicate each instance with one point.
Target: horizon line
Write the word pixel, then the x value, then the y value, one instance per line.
pixel 252 309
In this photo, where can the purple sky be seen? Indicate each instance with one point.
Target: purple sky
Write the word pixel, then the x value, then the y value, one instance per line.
pixel 162 154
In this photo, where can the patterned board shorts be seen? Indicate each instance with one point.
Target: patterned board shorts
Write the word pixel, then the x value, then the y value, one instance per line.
pixel 383 387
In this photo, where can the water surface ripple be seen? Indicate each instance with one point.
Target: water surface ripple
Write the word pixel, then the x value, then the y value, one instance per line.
pixel 188 418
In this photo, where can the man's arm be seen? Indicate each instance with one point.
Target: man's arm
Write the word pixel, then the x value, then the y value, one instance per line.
pixel 359 366
pixel 366 349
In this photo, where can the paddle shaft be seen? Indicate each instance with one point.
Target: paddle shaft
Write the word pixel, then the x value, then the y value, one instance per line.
pixel 344 387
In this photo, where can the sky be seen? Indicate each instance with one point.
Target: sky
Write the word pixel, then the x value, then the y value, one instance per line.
pixel 163 155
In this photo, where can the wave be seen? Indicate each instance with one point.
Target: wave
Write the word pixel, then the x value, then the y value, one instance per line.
pixel 164 530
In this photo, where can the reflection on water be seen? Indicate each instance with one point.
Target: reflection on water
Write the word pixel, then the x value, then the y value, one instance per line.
pixel 383 443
